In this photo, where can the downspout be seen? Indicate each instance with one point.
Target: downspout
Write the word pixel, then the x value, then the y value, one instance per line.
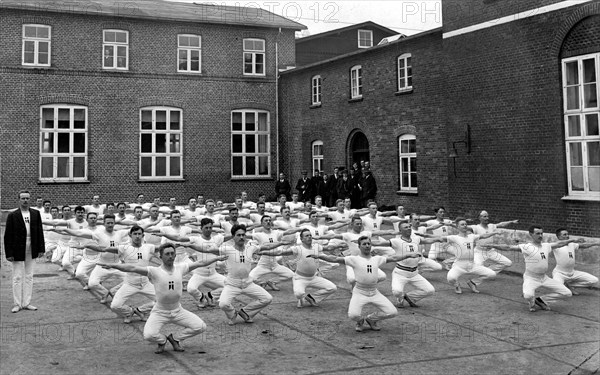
pixel 277 99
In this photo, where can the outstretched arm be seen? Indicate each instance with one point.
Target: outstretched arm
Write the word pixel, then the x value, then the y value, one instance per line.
pixel 501 246
pixel 507 223
pixel 205 263
pixel 558 244
pixel 398 257
pixel 202 248
pixel 126 268
pixel 275 252
pixel 328 258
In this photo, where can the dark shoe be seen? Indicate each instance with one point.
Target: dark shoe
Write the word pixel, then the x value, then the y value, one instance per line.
pixel 410 302
pixel 161 348
pixel 174 343
pixel 540 302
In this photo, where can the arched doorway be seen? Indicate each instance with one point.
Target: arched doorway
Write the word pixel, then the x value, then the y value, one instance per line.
pixel 358 148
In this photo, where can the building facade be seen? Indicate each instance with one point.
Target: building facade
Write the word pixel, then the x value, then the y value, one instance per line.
pixel 169 100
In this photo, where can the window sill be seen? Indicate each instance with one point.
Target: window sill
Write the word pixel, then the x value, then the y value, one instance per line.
pixel 405 91
pixel 407 192
pixel 61 182
pixel 251 178
pixel 154 180
pixel 318 105
pixel 258 76
pixel 590 198
pixel 115 70
pixel 354 100
pixel 189 72
pixel 37 66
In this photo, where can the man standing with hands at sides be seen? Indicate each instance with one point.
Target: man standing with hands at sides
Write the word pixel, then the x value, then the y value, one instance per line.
pixel 536 256
pixel 499 261
pixel 168 283
pixel 306 270
pixel 304 187
pixel 23 243
pixel 366 268
pixel 282 186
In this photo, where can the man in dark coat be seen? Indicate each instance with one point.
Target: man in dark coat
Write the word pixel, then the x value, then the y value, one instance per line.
pixel 345 186
pixel 317 186
pixel 332 188
pixel 369 188
pixel 283 186
pixel 23 243
pixel 304 187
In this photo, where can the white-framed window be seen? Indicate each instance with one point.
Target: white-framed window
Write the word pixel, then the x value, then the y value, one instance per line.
pixel 365 38
pixel 36 45
pixel 407 155
pixel 115 49
pixel 317 155
pixel 63 143
pixel 254 57
pixel 161 139
pixel 316 90
pixel 581 119
pixel 189 48
pixel 356 82
pixel 250 143
pixel 404 72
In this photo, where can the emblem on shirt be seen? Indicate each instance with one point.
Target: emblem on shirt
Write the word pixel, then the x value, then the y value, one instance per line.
pixel 171 285
pixel 369 268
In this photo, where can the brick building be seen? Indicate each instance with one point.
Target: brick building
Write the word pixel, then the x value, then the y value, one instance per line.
pixel 172 99
pixel 499 107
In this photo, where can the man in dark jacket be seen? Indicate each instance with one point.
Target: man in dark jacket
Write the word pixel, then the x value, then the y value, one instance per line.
pixel 283 186
pixel 369 188
pixel 318 186
pixel 332 184
pixel 304 187
pixel 23 243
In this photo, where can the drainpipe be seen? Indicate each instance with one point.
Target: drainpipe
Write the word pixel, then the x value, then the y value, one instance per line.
pixel 277 99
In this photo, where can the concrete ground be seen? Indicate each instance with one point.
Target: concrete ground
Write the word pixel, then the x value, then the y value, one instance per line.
pixel 488 333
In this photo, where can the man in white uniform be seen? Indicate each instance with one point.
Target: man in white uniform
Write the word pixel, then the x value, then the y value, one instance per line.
pixel 440 227
pixel 168 284
pixel 565 264
pixel 536 256
pixel 497 260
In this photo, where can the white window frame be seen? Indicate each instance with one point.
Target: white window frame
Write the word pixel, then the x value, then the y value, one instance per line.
pixel 36 43
pixel 356 82
pixel 369 38
pixel 407 156
pixel 115 46
pixel 169 134
pixel 580 115
pixel 257 154
pixel 317 158
pixel 315 86
pixel 404 72
pixel 51 135
pixel 254 53
pixel 189 50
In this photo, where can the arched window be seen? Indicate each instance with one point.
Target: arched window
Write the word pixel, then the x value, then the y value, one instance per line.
pixel 407 155
pixel 317 155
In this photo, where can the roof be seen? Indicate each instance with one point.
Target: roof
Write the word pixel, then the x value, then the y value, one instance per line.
pixel 351 27
pixel 162 10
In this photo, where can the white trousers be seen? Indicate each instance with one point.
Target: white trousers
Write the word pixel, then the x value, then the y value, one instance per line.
pixel 282 273
pixel 180 316
pixel 426 264
pixel 361 298
pixel 324 288
pixel 22 278
pixel 497 260
pixel 71 256
pixel 576 279
pixel 261 298
pixel 100 274
pixel 84 269
pixel 127 291
pixel 214 282
pixel 422 287
pixel 444 249
pixel 351 279
pixel 59 252
pixel 468 270
pixel 557 290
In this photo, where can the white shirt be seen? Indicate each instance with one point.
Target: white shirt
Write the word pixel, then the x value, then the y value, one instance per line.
pixel 139 256
pixel 264 238
pixel 536 257
pixel 239 264
pixel 403 247
pixel 366 271
pixel 479 229
pixel 307 267
pixel 353 248
pixel 214 242
pixel 168 285
pixel 464 247
pixel 112 239
pixel 565 258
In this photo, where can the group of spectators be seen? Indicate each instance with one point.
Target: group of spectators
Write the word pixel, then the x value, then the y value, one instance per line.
pixel 356 183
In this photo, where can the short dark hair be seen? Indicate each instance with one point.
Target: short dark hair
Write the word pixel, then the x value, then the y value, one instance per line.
pixel 175 212
pixel 459 219
pixel 23 192
pixel 237 227
pixel 532 228
pixel 164 246
pixel 303 231
pixel 90 213
pixel 362 238
pixel 561 230
pixel 205 221
pixel 79 208
pixel 121 203
pixel 136 207
pixel 135 228
pixel 47 201
pixel 109 216
pixel 438 208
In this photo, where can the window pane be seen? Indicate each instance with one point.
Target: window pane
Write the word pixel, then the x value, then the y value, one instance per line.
pixel 594 178
pixel 29 57
pixel 572 73
pixel 413 164
pixel 413 180
pixel 108 56
pixel 250 165
pixel 79 118
pixel 404 167
pixel 577 178
pixel 263 165
pixel 175 119
pixel 262 122
pixel 250 143
pixel 161 143
pixel 589 70
pixel 412 146
pixel 161 120
pixel 574 126
pixel 410 78
pixel 161 166
pixel 78 142
pixel 237 166
pixel 63 118
pixel 236 121
pixel 47 118
pixel 237 143
pixel 175 145
pixel 195 41
pixel 183 41
pixel 109 36
pixel 63 142
pixel 250 125
pixel 590 99
pixel 121 57
pixel 248 63
pixel 47 168
pixel 405 180
pixel 63 167
pixel 147 120
pixel 146 142
pixel 78 167
pixel 43 32
pixel 591 122
pixel 146 166
pixel 573 97
pixel 43 47
pixel 593 154
pixel 575 151
pixel 195 61
pixel 263 143
pixel 175 166
pixel 404 146
pixel 30 32
pixel 121 37
pixel 47 142
pixel 260 63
